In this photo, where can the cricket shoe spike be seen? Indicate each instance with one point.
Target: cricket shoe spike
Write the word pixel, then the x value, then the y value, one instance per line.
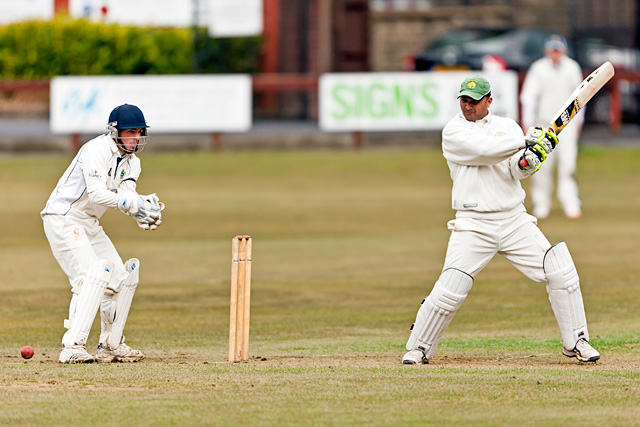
pixel 75 354
pixel 121 353
pixel 415 357
pixel 582 351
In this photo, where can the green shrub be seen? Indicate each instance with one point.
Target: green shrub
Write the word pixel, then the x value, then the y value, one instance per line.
pixel 63 46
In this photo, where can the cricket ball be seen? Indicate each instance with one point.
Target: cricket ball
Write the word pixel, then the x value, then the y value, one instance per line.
pixel 27 352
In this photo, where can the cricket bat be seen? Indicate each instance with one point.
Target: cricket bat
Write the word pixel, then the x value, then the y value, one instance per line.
pixel 579 98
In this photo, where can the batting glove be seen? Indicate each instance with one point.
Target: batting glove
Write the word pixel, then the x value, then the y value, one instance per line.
pixel 532 158
pixel 536 135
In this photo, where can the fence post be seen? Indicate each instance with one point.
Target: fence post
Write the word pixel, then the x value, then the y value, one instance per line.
pixel 358 139
pixel 216 141
pixel 75 142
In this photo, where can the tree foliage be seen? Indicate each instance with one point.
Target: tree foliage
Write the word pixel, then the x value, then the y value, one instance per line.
pixel 64 46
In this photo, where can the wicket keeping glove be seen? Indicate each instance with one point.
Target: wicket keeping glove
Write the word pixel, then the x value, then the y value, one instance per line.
pixel 145 209
pixel 146 226
pixel 153 199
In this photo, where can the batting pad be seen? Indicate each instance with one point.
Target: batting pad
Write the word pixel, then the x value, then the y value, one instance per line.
pixel 437 310
pixel 87 302
pixel 115 306
pixel 563 286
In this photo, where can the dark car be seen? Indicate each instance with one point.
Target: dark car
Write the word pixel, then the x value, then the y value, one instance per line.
pixel 514 49
pixel 517 49
pixel 443 50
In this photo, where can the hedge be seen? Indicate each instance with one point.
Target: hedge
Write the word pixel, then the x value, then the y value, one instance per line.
pixel 63 46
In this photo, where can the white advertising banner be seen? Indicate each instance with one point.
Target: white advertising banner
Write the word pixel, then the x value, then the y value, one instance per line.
pixel 171 104
pixel 225 18
pixel 404 101
pixel 16 11
pixel 235 18
pixel 160 13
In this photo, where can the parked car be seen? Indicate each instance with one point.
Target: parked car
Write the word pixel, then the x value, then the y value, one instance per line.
pixel 594 51
pixel 515 49
pixel 443 51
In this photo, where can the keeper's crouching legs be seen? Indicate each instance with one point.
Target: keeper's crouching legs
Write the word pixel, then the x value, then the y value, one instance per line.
pixel 563 286
pixel 114 310
pixel 435 314
pixel 82 312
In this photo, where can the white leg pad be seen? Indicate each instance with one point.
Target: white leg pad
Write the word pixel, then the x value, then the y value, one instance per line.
pixel 87 303
pixel 115 306
pixel 107 313
pixel 72 310
pixel 563 286
pixel 437 310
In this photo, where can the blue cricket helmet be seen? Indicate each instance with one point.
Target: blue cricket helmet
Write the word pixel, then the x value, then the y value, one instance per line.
pixel 127 116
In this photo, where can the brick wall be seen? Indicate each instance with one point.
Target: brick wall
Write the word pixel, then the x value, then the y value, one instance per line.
pixel 299 54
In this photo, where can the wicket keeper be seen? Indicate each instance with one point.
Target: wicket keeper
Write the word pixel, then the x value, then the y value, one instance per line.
pixel 102 175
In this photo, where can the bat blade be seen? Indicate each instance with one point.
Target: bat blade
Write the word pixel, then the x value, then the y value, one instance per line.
pixel 579 98
pixel 581 95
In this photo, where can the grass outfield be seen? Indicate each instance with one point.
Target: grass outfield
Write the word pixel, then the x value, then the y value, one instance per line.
pixel 346 245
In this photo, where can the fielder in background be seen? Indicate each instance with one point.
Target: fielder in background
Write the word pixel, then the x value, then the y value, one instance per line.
pixel 102 175
pixel 484 154
pixel 547 85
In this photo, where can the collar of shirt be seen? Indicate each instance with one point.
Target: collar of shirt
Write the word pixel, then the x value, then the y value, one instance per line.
pixel 483 121
pixel 115 149
pixel 112 145
pixel 486 119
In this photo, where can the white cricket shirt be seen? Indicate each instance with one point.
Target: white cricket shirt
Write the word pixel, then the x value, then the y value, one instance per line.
pixel 546 87
pixel 90 184
pixel 483 160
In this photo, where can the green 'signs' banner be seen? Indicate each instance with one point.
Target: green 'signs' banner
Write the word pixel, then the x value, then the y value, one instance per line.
pixel 404 101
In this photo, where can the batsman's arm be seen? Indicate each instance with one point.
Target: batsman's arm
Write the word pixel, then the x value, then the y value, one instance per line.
pixel 470 147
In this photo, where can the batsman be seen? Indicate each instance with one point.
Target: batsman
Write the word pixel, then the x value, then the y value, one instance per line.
pixel 102 175
pixel 487 157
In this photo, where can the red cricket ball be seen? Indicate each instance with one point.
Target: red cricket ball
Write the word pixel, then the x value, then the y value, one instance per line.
pixel 26 352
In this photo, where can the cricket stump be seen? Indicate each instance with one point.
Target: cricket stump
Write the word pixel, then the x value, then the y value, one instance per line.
pixel 240 301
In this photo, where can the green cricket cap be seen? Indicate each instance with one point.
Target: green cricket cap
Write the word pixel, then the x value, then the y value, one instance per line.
pixel 474 87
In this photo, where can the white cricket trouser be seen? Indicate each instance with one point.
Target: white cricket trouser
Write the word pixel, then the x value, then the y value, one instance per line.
pixel 564 157
pixel 474 242
pixel 78 244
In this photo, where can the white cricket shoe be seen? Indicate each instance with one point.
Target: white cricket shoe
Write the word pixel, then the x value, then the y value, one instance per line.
pixel 75 354
pixel 415 357
pixel 573 213
pixel 583 351
pixel 122 353
pixel 541 212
